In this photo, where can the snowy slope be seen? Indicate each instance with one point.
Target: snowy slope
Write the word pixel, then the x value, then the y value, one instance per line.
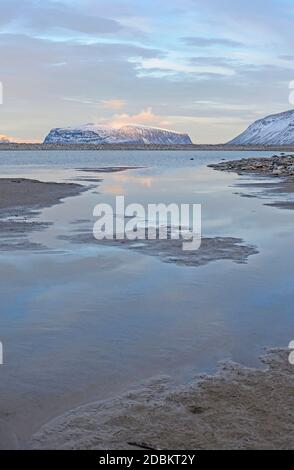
pixel 276 129
pixel 131 134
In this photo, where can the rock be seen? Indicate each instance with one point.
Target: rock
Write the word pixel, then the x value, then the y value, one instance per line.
pixel 128 134
pixel 276 165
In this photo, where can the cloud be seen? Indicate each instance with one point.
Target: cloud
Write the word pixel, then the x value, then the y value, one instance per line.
pixel 269 21
pixel 64 61
pixel 5 139
pixel 289 58
pixel 51 18
pixel 106 104
pixel 114 104
pixel 221 106
pixel 42 17
pixel 165 65
pixel 208 42
pixel 213 61
pixel 135 22
pixel 146 116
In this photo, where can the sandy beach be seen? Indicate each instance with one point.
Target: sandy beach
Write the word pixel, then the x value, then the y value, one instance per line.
pixel 238 408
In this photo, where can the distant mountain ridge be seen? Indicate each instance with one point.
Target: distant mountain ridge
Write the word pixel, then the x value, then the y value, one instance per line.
pixel 129 134
pixel 276 129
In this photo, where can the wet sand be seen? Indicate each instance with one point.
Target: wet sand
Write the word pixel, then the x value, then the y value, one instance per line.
pixel 20 200
pixel 237 408
pixel 171 251
pixel 110 169
pixel 23 193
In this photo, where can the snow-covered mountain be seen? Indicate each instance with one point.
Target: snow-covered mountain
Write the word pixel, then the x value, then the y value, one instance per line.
pixel 130 134
pixel 276 129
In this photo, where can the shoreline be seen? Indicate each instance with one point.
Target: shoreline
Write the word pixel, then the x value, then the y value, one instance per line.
pixel 21 193
pixel 155 147
pixel 197 414
pixel 18 206
pixel 275 166
pixel 280 169
pixel 236 408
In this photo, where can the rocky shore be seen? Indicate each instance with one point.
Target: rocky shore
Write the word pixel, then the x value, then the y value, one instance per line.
pixel 277 166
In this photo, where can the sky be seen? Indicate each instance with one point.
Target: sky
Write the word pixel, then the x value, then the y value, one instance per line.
pixel 205 67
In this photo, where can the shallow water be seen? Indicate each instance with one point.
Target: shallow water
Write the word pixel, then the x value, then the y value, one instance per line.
pixel 82 322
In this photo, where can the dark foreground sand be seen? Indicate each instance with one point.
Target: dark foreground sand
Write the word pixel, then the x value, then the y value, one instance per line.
pixel 171 251
pixel 16 193
pixel 20 199
pixel 238 408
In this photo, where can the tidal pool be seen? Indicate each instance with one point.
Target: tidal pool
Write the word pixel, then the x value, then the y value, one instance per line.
pixel 81 322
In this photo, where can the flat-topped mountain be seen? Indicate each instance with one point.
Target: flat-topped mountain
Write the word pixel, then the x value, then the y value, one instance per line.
pixel 129 134
pixel 276 129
